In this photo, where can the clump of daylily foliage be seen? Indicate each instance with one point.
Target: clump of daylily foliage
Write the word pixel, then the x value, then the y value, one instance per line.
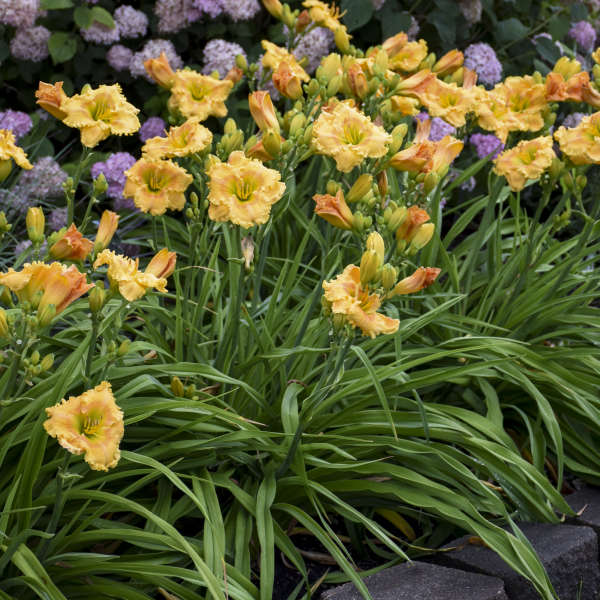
pixel 327 211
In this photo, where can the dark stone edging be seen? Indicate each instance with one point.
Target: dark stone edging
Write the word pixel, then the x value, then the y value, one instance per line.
pixel 569 553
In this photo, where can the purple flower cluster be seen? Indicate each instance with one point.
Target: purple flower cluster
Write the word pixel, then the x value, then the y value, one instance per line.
pixel 175 15
pixel 19 13
pixel 583 33
pixel 18 122
pixel 213 8
pixel 439 127
pixel 572 120
pixel 114 170
pixel 57 219
pixel 219 56
pixel 30 43
pixel 482 59
pixel 471 10
pixel 130 22
pixel 153 49
pixel 152 127
pixel 485 144
pixel 241 10
pixel 314 46
pixel 98 33
pixel 119 57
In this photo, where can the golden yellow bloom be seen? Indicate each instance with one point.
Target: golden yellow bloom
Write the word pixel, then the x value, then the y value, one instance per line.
pixel 274 56
pixel 157 185
pixel 71 245
pixel 516 104
pixel 160 70
pixel 425 156
pixel 51 97
pixel 287 82
pixel 448 101
pixel 345 296
pixel 412 222
pixel 423 277
pixel 162 264
pixel 405 106
pixel 334 209
pixel 242 190
pixel 9 149
pixel 197 95
pixel 99 113
pixel 323 14
pixel 450 62
pixel 262 111
pixel 582 143
pixel 344 133
pixel 189 138
pixel 42 285
pixel 109 222
pixel 404 55
pixel 527 160
pixel 124 274
pixel 90 424
pixel 568 82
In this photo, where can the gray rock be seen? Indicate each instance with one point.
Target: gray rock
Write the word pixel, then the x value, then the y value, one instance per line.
pixel 423 581
pixel 586 501
pixel 569 555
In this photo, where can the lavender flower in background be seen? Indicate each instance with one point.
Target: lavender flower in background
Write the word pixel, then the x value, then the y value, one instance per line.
pixel 219 56
pixel 241 10
pixel 378 4
pixel 175 15
pixel 482 59
pixel 314 45
pixel 572 120
pixel 583 33
pixel 18 122
pixel 439 127
pixel 213 8
pixel 19 13
pixel 131 23
pixel 57 219
pixel 471 10
pixel 114 170
pixel 30 44
pixel 153 49
pixel 100 34
pixel 413 30
pixel 26 244
pixel 152 127
pixel 485 144
pixel 468 185
pixel 547 36
pixel 119 57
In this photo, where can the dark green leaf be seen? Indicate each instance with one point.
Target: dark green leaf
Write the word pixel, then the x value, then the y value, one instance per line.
pixel 55 4
pixel 357 13
pixel 83 16
pixel 510 30
pixel 102 16
pixel 62 46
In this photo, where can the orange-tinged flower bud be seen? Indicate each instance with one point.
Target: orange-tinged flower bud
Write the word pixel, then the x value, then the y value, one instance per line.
pixel 274 7
pixel 450 62
pixel 50 98
pixel 106 230
pixel 302 21
pixel 35 222
pixel 287 81
pixel 234 75
pixel 160 70
pixel 382 183
pixel 420 279
pixel 162 264
pixel 71 246
pixel 257 150
pixel 357 81
pixel 334 210
pixel 415 217
pixel 262 111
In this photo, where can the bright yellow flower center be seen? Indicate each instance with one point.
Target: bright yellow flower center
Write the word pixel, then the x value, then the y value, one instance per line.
pixel 244 189
pixel 352 134
pixel 528 156
pixel 100 110
pixel 198 91
pixel 155 181
pixel 518 103
pixel 91 425
pixel 448 100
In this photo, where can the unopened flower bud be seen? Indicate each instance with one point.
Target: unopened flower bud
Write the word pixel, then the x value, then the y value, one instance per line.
pixel 556 168
pixel 308 134
pixel 303 20
pixel 250 143
pixel 4 328
pixel 369 267
pixel 388 276
pixel 5 169
pixel 596 72
pixel 297 124
pixel 342 39
pixel 333 87
pixel 375 242
pixel 35 357
pixel 398 135
pixel 4 224
pixel 46 315
pixel 97 298
pixel 272 143
pixel 313 87
pixel 581 181
pixel 241 62
pixel 396 218
pixel 124 348
pixel 107 227
pixel 35 222
pixel 331 66
pixel 382 60
pixel 47 362
pixel 100 185
pixel 428 62
pixel 332 187
pixel 382 184
pixel 177 387
pixel 274 7
pixel 230 127
pixel 422 237
pixel 430 181
pixel 360 189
